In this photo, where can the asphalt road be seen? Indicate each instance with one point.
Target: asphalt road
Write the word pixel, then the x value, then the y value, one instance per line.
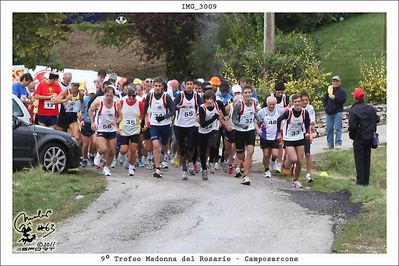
pixel 142 214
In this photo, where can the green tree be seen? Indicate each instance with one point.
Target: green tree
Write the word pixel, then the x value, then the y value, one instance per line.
pixel 34 35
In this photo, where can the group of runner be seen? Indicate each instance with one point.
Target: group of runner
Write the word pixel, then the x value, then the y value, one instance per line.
pixel 149 123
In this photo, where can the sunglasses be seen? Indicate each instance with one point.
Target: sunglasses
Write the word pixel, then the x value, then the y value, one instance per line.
pixel 131 96
pixel 149 81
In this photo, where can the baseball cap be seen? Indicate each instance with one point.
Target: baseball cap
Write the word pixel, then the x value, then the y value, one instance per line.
pixel 91 87
pixel 337 78
pixel 215 81
pixel 137 81
pixel 236 88
pixel 131 91
pixel 201 80
pixel 358 93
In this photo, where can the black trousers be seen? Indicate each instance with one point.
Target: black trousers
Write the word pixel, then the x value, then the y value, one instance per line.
pixel 362 152
pixel 205 141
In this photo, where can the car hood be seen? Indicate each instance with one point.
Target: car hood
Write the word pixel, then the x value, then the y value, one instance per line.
pixel 46 130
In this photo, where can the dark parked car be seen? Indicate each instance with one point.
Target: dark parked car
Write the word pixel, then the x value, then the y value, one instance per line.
pixel 57 151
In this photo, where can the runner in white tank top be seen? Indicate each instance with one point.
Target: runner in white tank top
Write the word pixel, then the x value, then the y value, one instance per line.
pixel 296 130
pixel 131 110
pixel 108 117
pixel 186 103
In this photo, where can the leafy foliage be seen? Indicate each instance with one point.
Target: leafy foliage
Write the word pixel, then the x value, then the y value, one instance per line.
pixel 374 79
pixel 166 35
pixel 307 22
pixel 34 35
pixel 296 60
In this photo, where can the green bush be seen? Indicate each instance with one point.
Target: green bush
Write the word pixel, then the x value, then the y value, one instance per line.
pixel 296 61
pixel 374 79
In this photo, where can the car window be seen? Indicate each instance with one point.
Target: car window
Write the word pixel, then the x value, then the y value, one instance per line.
pixel 16 110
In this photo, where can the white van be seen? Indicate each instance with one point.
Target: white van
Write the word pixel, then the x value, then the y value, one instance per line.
pixel 19 110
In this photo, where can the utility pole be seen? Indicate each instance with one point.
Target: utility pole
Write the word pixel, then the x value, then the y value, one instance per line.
pixel 269 45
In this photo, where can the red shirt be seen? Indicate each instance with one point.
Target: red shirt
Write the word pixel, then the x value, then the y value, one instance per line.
pixel 46 107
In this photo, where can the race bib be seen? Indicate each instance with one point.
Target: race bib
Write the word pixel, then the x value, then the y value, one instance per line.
pixel 49 105
pixel 130 122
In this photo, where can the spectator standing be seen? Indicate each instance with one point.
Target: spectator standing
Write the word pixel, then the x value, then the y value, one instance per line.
pixel 363 121
pixel 333 103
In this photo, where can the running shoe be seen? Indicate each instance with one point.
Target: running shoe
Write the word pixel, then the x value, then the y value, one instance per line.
pixel 296 184
pixel 114 162
pixel 216 166
pixel 121 158
pixel 309 178
pixel 212 168
pixel 205 174
pixel 225 168
pixel 277 167
pixel 191 168
pixel 106 171
pixel 149 164
pixel 84 163
pixel 268 174
pixel 157 173
pixel 126 164
pixel 131 170
pixel 97 159
pixel 237 172
pixel 231 169
pixel 164 165
pixel 91 159
pixel 245 181
pixel 184 176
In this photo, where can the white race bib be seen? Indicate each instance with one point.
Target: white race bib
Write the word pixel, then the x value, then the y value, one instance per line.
pixel 49 105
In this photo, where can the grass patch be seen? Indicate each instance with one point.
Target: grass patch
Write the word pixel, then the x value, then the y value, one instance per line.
pixel 341 43
pixel 365 233
pixel 35 189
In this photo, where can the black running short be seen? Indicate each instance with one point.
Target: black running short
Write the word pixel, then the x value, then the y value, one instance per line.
pixel 244 138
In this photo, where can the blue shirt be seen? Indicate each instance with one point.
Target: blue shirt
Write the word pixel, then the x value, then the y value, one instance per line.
pixel 19 90
pixel 226 99
pixel 86 101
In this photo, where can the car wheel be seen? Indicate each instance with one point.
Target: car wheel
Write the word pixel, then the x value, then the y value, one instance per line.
pixel 54 158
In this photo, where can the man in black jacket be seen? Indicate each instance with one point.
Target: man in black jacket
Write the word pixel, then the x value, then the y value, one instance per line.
pixel 333 103
pixel 363 121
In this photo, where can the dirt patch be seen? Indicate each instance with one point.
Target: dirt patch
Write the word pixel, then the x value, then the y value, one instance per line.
pixel 336 204
pixel 81 51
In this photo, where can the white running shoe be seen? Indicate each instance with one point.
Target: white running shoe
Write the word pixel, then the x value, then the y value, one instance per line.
pixel 216 166
pixel 121 158
pixel 184 176
pixel 205 174
pixel 164 165
pixel 131 170
pixel 157 173
pixel 126 164
pixel 106 171
pixel 309 178
pixel 237 172
pixel 277 167
pixel 97 159
pixel 296 184
pixel 212 168
pixel 268 174
pixel 149 164
pixel 190 168
pixel 245 181
pixel 114 162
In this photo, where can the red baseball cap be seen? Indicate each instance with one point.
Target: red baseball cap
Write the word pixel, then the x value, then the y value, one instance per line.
pixel 358 93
